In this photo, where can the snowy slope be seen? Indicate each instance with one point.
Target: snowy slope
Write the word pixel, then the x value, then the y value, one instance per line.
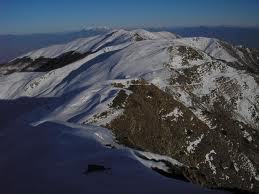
pixel 166 35
pixel 54 157
pixel 94 73
pixel 92 44
pixel 209 45
pixel 124 59
pixel 80 45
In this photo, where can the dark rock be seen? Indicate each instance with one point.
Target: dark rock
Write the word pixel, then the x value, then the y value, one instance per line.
pixel 95 168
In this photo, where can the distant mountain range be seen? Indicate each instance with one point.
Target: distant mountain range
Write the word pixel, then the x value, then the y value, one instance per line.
pixel 12 46
pixel 246 36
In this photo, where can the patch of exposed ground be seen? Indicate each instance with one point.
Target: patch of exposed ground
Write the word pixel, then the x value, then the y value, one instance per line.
pixel 41 64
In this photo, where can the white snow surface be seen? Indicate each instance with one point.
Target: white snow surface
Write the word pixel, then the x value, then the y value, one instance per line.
pixel 176 113
pixel 209 160
pixel 193 144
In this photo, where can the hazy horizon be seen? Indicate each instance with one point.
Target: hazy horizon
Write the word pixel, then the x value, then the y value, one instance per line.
pixel 127 28
pixel 29 17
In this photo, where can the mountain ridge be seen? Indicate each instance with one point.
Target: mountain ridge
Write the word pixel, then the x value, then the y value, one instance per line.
pixel 200 82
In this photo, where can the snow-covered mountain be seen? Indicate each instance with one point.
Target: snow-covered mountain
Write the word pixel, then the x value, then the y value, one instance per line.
pixel 195 100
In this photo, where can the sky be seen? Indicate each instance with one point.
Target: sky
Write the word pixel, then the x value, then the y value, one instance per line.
pixel 33 16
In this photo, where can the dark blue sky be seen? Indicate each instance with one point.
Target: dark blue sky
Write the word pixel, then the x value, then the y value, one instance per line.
pixel 30 16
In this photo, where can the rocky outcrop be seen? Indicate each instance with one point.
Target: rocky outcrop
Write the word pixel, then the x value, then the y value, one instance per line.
pixel 220 157
pixel 41 64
